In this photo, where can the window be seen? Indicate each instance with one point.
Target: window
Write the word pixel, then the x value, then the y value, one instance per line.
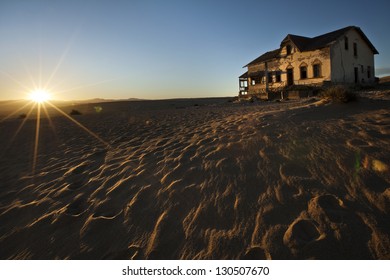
pixel 362 68
pixel 256 80
pixel 316 70
pixel 244 83
pixel 270 79
pixel 290 75
pixel 278 78
pixel 303 70
pixel 369 72
pixel 355 49
pixel 346 43
pixel 356 72
pixel 288 49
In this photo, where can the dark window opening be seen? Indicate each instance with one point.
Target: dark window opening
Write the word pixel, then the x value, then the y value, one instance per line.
pixel 290 76
pixel 303 70
pixel 288 48
pixel 368 72
pixel 316 70
pixel 356 72
pixel 278 77
pixel 355 52
pixel 346 43
pixel 270 78
pixel 362 68
pixel 256 80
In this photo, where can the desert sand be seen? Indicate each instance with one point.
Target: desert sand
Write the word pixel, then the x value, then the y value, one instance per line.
pixel 198 179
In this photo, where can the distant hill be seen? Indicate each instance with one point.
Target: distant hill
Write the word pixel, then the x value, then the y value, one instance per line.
pixel 103 100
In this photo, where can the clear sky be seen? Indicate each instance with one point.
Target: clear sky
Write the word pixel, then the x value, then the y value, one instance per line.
pixel 83 49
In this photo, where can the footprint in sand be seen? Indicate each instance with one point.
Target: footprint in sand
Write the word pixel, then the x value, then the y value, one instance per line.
pixel 75 176
pixel 300 233
pixel 329 207
pixel 77 207
pixel 346 235
pixel 291 170
pixel 254 253
pixel 358 143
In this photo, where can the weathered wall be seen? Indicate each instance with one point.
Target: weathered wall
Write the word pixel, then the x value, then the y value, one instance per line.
pixel 337 64
pixel 294 61
pixel 344 61
pixel 258 88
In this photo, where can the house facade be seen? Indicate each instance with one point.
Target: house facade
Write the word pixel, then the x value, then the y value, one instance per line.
pixel 344 56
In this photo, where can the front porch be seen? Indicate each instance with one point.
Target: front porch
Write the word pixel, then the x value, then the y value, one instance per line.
pixel 261 84
pixel 243 84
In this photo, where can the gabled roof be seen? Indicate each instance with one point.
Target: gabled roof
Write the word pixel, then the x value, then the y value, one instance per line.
pixel 299 41
pixel 265 57
pixel 308 44
pixel 244 76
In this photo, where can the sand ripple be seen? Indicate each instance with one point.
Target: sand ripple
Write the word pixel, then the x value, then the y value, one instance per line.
pixel 220 181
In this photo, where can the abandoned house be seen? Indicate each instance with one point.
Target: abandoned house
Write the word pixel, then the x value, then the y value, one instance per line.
pixel 344 56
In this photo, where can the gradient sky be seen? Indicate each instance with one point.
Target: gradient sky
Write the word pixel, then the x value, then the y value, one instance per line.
pixel 161 49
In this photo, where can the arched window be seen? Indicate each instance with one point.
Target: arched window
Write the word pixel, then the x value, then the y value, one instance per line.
pixel 303 71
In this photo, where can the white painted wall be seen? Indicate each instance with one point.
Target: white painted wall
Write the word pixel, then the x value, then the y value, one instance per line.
pixel 343 61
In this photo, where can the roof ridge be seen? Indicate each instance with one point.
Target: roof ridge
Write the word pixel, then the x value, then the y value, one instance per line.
pixel 299 36
pixel 304 43
pixel 336 31
pixel 265 56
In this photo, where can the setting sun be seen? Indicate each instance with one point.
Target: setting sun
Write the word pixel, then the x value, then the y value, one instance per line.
pixel 39 96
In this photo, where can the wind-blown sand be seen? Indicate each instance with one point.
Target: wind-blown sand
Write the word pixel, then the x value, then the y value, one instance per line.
pixel 291 180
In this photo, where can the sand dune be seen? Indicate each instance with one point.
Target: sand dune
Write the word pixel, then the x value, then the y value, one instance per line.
pixel 198 179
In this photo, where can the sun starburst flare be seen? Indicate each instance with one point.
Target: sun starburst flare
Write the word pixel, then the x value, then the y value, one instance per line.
pixel 39 96
pixel 39 100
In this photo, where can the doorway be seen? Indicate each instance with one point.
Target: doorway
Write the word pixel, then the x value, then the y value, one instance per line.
pixel 356 75
pixel 290 76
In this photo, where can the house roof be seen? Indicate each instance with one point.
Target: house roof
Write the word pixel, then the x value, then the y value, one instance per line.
pixel 299 41
pixel 257 74
pixel 244 76
pixel 265 57
pixel 309 44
